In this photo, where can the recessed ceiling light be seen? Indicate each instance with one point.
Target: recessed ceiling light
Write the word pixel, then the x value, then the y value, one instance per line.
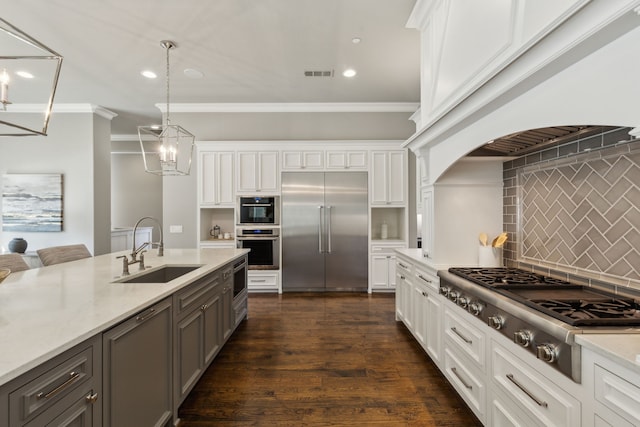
pixel 193 73
pixel 349 72
pixel 356 40
pixel 24 74
pixel 149 74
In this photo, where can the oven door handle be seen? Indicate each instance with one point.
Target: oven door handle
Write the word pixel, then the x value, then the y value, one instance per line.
pixel 256 238
pixel 251 205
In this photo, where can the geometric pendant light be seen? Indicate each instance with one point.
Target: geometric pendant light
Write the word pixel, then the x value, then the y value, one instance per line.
pixel 29 74
pixel 166 149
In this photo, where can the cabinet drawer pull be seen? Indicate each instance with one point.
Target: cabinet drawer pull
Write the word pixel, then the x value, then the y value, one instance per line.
pixel 73 376
pixel 402 265
pixel 204 307
pixel 145 316
pixel 402 277
pixel 424 278
pixel 527 392
pixel 91 397
pixel 464 383
pixel 258 280
pixel 462 337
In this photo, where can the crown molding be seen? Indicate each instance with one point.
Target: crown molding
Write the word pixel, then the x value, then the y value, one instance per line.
pixel 65 108
pixel 293 107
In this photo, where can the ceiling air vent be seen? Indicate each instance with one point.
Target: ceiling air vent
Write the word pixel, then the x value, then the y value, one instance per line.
pixel 318 73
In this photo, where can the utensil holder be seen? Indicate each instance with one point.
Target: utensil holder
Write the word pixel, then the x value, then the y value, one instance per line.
pixel 489 256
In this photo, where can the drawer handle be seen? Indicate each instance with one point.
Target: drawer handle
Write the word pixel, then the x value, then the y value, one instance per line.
pixel 144 317
pixel 204 307
pixel 424 278
pixel 464 383
pixel 462 337
pixel 73 376
pixel 527 392
pixel 402 265
pixel 402 277
pixel 91 398
pixel 258 280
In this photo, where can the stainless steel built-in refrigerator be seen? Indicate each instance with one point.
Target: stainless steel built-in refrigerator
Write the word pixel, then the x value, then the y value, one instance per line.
pixel 324 231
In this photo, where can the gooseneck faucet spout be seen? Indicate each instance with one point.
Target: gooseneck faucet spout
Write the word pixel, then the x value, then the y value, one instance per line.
pixel 136 250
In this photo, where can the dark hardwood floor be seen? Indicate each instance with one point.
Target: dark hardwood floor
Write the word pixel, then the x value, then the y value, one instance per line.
pixel 323 360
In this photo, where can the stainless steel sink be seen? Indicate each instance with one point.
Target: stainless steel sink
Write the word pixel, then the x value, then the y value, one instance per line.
pixel 161 275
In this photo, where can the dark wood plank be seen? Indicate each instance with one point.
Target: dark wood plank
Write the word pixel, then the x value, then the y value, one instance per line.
pixel 324 360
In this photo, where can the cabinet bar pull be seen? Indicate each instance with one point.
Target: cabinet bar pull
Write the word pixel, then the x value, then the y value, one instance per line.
pixel 258 280
pixel 424 278
pixel 464 383
pixel 73 376
pixel 527 392
pixel 462 337
pixel 402 265
pixel 145 316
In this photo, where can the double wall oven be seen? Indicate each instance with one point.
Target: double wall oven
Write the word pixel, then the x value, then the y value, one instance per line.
pixel 258 221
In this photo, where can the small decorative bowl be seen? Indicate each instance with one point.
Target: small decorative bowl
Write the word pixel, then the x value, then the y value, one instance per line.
pixel 4 272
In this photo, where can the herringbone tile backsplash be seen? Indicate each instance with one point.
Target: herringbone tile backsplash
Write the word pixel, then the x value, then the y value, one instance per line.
pixel 578 213
pixel 584 215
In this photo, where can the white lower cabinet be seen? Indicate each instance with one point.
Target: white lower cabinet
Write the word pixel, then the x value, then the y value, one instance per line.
pixel 505 413
pixel 468 380
pixel 404 270
pixel 382 267
pixel 532 394
pixel 616 392
pixel 263 281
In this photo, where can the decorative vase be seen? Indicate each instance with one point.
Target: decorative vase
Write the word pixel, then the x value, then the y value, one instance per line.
pixel 18 245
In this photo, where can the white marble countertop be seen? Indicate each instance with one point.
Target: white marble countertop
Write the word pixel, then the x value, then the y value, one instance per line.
pixel 45 311
pixel 623 349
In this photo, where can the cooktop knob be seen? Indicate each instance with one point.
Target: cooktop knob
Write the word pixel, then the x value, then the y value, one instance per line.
pixel 475 308
pixel 496 322
pixel 453 295
pixel 444 291
pixel 463 302
pixel 547 352
pixel 522 338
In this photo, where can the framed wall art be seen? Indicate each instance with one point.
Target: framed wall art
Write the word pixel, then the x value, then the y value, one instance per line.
pixel 32 202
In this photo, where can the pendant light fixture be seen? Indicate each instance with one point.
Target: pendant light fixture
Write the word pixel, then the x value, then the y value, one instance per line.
pixel 29 73
pixel 166 149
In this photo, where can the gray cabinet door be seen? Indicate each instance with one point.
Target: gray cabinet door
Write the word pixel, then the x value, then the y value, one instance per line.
pixel 190 351
pixel 228 316
pixel 137 357
pixel 212 328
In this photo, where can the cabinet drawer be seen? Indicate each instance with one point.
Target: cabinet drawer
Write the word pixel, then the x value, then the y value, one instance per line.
pixel 465 337
pixel 262 282
pixel 194 294
pixel 617 394
pixel 470 386
pixel 385 250
pixel 427 279
pixel 68 377
pixel 535 394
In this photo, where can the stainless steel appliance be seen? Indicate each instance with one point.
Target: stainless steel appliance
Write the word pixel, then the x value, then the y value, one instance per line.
pixel 264 243
pixel 540 313
pixel 324 231
pixel 258 210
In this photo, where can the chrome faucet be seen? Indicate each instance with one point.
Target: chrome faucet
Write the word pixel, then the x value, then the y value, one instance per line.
pixel 160 244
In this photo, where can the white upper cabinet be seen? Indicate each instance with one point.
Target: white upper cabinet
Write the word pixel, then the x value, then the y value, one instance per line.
pixel 258 172
pixel 356 160
pixel 293 160
pixel 388 177
pixel 216 179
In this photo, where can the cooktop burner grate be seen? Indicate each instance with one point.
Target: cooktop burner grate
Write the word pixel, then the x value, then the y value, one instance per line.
pixel 501 276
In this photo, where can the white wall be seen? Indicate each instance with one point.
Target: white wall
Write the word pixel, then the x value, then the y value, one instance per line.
pixel 75 148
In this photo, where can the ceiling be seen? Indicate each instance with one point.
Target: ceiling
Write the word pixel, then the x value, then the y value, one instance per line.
pixel 249 51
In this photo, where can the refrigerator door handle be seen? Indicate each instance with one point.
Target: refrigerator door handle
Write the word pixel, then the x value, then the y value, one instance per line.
pixel 329 229
pixel 320 229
